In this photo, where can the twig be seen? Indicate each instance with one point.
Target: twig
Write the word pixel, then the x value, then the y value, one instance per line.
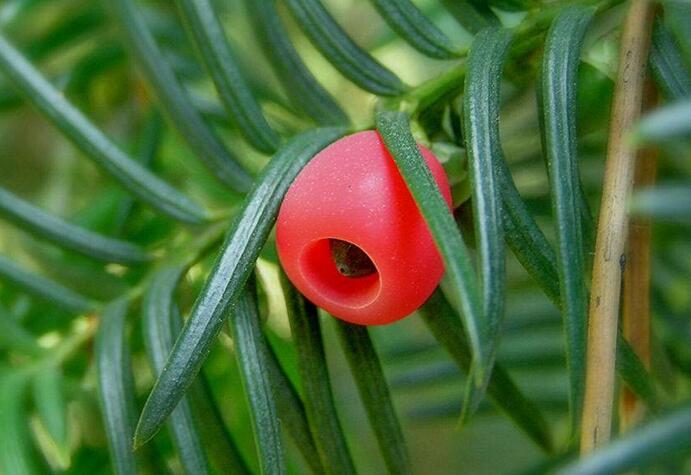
pixel 612 228
pixel 635 318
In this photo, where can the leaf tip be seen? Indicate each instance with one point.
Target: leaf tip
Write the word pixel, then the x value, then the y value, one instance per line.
pixel 144 431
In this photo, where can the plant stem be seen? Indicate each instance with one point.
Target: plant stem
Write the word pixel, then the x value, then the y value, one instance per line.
pixel 636 291
pixel 187 252
pixel 612 228
pixel 418 98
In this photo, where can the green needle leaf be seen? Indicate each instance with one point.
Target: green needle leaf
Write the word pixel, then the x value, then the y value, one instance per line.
pixel 251 354
pixel 413 26
pixel 634 374
pixel 291 411
pixel 525 238
pixel 17 456
pixel 314 374
pixel 667 64
pixel 49 400
pixel 205 28
pixel 443 322
pixel 47 226
pixel 44 288
pixel 92 142
pixel 678 17
pixel 374 392
pixel 664 202
pixel 175 100
pixel 160 325
pixel 533 251
pixel 657 441
pixel 224 286
pixel 148 145
pixel 481 123
pixel 471 15
pixel 671 122
pixel 218 441
pixel 302 88
pixel 559 78
pixel 340 50
pixel 395 131
pixel 116 386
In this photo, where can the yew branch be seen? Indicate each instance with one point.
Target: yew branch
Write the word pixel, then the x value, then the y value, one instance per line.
pixel 610 257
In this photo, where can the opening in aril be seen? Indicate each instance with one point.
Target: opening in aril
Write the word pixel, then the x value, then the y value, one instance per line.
pixel 350 260
pixel 341 272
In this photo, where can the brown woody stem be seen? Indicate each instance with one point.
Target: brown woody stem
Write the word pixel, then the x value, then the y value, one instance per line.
pixel 635 319
pixel 610 256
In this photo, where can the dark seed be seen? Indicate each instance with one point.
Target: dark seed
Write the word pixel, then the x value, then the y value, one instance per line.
pixel 350 260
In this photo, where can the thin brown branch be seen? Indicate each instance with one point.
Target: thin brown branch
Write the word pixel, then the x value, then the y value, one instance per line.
pixel 635 315
pixel 612 228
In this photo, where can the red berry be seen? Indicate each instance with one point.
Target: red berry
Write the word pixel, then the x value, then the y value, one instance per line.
pixel 352 191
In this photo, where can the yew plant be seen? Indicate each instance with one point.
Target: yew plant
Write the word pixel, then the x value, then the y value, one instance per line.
pixel 147 324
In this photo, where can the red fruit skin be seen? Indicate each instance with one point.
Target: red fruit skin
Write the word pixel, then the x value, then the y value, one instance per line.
pixel 353 191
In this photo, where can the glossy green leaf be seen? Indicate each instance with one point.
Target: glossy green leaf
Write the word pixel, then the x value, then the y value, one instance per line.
pixel 175 100
pixel 678 17
pixel 668 65
pixel 374 392
pixel 534 252
pixel 45 225
pixel 446 327
pixel 232 269
pixel 314 375
pixel 91 141
pixel 116 386
pixel 340 50
pixel 670 122
pixel 160 325
pixel 664 202
pixel 472 16
pixel 631 370
pixel 203 25
pixel 525 239
pixel 44 288
pixel 251 355
pixel 51 406
pixel 301 86
pixel 224 455
pixel 655 442
pixel 148 145
pixel 481 132
pixel 395 131
pixel 291 411
pixel 413 26
pixel 525 357
pixel 559 78
pixel 437 372
pixel 17 455
pixel 449 408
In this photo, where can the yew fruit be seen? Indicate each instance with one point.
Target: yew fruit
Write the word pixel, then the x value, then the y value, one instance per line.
pixel 351 238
